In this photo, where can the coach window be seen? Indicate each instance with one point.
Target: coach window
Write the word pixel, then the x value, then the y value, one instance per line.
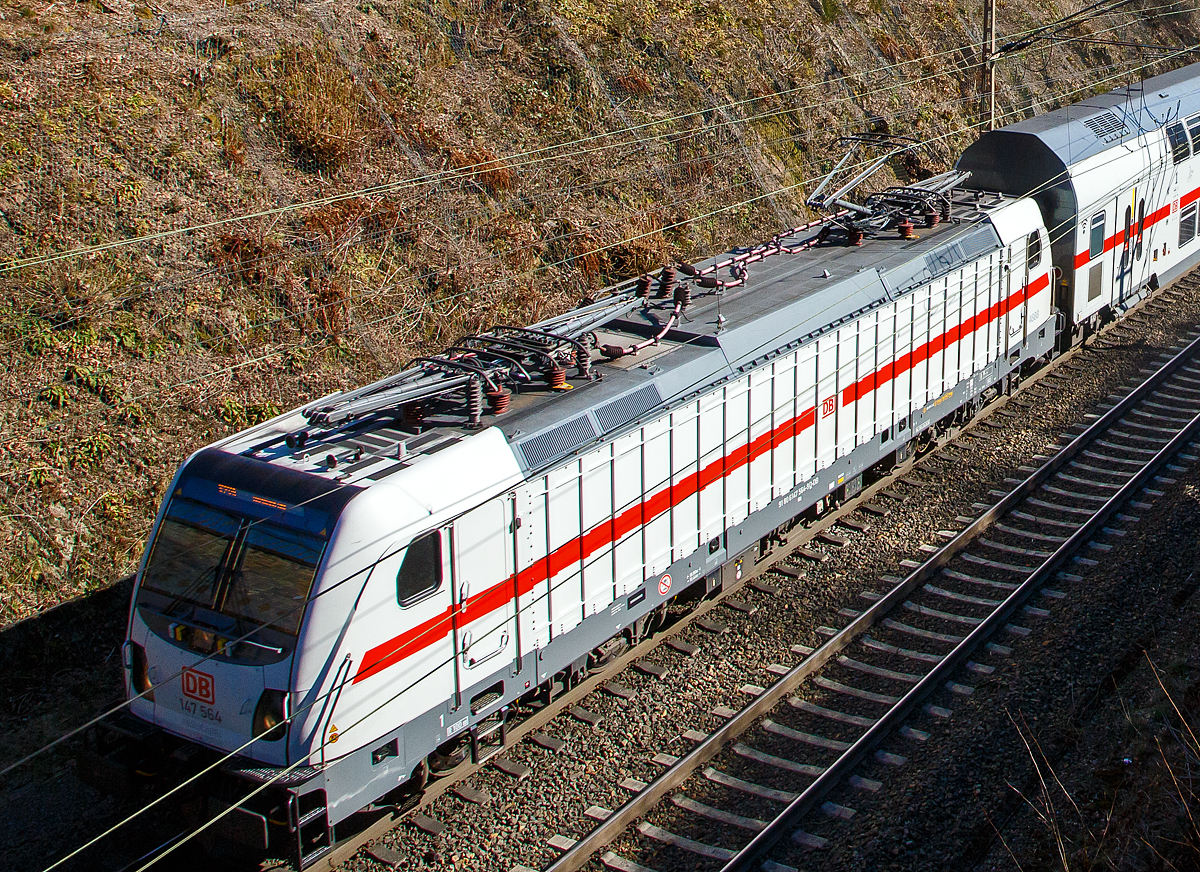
pixel 1033 250
pixel 1180 149
pixel 1096 247
pixel 421 571
pixel 1187 225
pixel 1193 125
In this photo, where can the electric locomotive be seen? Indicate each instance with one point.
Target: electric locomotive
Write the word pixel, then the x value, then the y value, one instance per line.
pixel 337 602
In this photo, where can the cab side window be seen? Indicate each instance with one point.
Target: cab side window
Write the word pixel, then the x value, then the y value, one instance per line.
pixel 1033 250
pixel 421 570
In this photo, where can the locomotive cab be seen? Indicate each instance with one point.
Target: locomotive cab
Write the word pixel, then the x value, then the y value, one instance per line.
pixel 220 601
pixel 272 589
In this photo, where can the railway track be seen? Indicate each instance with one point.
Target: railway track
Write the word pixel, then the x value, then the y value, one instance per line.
pixel 864 503
pixel 755 789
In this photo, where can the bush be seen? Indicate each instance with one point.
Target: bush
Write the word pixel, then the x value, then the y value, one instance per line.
pixel 248 259
pixel 56 395
pixel 483 166
pixel 315 105
pixel 92 450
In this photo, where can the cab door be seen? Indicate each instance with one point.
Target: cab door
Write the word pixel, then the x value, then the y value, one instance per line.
pixel 483 590
pixel 407 607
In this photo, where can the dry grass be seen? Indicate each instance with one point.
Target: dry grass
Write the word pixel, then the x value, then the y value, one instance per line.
pixel 891 49
pixel 1147 816
pixel 233 146
pixel 639 247
pixel 359 220
pixel 693 162
pixel 314 103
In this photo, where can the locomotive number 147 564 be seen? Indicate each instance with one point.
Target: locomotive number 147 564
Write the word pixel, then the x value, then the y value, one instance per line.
pixel 195 709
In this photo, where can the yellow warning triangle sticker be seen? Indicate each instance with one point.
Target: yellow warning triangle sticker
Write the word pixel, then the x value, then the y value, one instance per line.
pixel 333 733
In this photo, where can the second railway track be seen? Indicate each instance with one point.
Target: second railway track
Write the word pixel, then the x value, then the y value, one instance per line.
pixel 762 777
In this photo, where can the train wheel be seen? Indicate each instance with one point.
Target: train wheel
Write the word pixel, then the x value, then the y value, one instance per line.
pixel 609 651
pixel 406 795
pixel 447 757
pixel 640 629
pixel 419 778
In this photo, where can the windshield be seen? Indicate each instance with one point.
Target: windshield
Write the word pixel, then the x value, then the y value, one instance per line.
pixel 274 574
pixel 245 568
pixel 193 544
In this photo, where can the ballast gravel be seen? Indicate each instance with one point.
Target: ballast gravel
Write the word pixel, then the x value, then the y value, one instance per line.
pixel 942 804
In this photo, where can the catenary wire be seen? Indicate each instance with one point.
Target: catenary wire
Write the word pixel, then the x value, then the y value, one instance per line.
pixel 273 353
pixel 464 172
pixel 124 301
pixel 1119 187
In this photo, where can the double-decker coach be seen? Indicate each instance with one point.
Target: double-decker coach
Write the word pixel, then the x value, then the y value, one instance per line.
pixel 1117 182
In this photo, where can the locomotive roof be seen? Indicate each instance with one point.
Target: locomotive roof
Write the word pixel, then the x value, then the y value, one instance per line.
pixel 791 296
pixel 1082 130
pixel 786 300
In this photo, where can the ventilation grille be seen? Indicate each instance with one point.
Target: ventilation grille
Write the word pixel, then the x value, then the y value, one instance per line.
pixel 624 409
pixel 544 447
pixel 1107 127
pixel 968 247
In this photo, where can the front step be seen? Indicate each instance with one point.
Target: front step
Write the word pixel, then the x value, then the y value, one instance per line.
pixel 308 859
pixel 494 725
pixel 309 821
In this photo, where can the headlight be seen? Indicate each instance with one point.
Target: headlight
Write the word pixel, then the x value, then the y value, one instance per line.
pixel 139 671
pixel 270 716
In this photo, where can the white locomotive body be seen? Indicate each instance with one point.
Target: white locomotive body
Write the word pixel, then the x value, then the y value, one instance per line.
pixel 335 597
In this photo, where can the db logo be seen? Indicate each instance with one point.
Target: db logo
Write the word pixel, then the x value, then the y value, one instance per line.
pixel 198 685
pixel 664 585
pixel 828 406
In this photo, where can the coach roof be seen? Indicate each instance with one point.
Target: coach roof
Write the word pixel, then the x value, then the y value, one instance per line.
pixel 1080 131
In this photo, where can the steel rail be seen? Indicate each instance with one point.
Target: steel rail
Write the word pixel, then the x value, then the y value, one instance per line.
pixel 764 840
pixel 635 807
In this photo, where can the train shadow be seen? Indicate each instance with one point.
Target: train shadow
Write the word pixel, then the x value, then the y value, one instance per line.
pixel 58 670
